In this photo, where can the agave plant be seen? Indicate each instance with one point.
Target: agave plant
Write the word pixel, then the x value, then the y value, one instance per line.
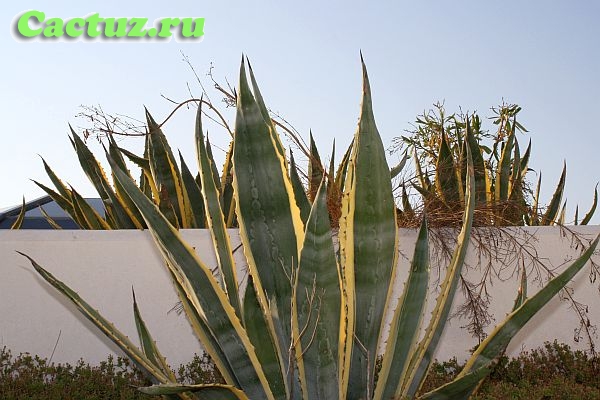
pixel 173 189
pixel 310 319
pixel 502 192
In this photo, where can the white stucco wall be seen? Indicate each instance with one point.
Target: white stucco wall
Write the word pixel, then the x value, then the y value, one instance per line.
pixel 103 267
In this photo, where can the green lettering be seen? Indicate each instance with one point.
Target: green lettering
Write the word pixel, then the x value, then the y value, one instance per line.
pixel 23 23
pixel 92 25
pixel 54 28
pixel 165 26
pixel 137 27
pixel 74 27
pixel 186 30
pixel 115 27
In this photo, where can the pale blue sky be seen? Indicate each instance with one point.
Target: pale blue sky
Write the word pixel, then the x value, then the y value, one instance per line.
pixel 542 55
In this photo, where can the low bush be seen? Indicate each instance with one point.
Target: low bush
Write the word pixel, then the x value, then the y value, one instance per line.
pixel 553 371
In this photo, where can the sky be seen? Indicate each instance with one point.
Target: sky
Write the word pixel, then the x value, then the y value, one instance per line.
pixel 544 56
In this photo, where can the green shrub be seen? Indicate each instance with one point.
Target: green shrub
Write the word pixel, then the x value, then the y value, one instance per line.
pixel 553 371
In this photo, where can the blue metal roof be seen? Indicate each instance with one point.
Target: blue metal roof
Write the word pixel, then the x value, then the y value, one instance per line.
pixel 34 219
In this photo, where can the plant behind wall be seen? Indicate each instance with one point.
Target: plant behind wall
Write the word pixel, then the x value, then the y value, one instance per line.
pixel 310 320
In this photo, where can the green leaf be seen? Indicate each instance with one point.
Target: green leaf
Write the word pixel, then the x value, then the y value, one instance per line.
pixel 63 202
pixel 261 333
pixel 210 391
pixel 460 388
pixel 121 205
pixel 215 220
pixel 265 112
pixel 194 195
pixel 315 170
pixel 103 324
pixel 525 161
pixel 62 189
pixel 299 192
pixel 592 210
pixel 227 198
pixel 370 244
pixel 340 175
pixel 166 173
pixel 446 180
pixel 480 174
pixel 497 341
pixel 49 219
pixel 148 344
pixel 395 171
pixel 19 221
pixel 268 217
pixel 87 213
pixel 318 303
pixel 423 355
pixel 213 166
pixel 203 291
pixel 551 214
pixel 406 321
pixel 503 170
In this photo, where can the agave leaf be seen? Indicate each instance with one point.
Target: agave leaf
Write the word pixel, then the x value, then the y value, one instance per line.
pixel 331 172
pixel 107 328
pixel 551 213
pixel 498 340
pixel 592 210
pixel 421 358
pixel 369 244
pixel 535 207
pixel 515 187
pixel 525 161
pixel 261 333
pixel 215 220
pixel 522 292
pixel 406 207
pixel 315 170
pixel 424 182
pixel 49 219
pixel 561 216
pixel 166 173
pixel 265 112
pixel 87 213
pixel 147 184
pixel 19 221
pixel 446 179
pixel 395 171
pixel 202 331
pixel 271 228
pixel 121 205
pixel 194 194
pixel 318 301
pixel 299 192
pixel 213 166
pixel 481 177
pixel 63 202
pixel 97 177
pixel 460 388
pixel 149 347
pixel 469 385
pixel 340 175
pixel 406 321
pixel 210 391
pixel 204 293
pixel 227 199
pixel 503 169
pixel 62 189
